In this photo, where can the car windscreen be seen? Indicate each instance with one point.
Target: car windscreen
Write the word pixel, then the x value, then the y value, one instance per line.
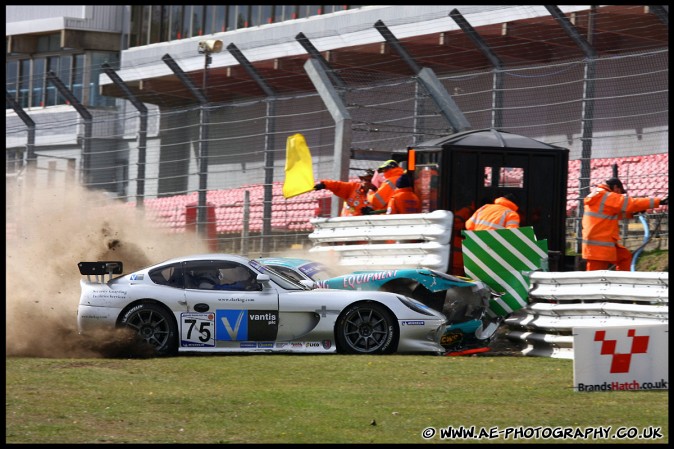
pixel 283 281
pixel 287 272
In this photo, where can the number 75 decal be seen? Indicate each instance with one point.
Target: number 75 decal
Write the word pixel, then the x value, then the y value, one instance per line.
pixel 197 329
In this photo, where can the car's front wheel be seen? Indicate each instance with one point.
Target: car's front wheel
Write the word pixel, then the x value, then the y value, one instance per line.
pixel 366 328
pixel 154 327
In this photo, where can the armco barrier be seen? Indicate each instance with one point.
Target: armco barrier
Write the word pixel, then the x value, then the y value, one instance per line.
pixel 558 302
pixel 403 241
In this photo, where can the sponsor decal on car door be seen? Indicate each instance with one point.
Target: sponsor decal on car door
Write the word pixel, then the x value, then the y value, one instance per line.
pixel 246 325
pixel 231 317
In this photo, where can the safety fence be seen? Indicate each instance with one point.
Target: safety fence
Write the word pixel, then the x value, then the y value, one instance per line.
pixel 558 302
pixel 156 164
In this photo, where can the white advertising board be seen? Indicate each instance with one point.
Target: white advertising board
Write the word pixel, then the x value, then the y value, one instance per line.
pixel 618 358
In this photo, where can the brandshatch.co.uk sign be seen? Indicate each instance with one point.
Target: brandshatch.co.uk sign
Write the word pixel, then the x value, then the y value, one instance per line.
pixel 621 358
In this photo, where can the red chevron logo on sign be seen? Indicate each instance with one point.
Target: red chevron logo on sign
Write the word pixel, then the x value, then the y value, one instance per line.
pixel 621 362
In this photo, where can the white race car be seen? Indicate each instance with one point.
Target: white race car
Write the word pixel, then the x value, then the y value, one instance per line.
pixel 229 303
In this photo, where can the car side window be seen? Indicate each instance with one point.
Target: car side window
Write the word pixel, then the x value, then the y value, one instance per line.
pixel 220 275
pixel 169 275
pixel 238 277
pixel 202 275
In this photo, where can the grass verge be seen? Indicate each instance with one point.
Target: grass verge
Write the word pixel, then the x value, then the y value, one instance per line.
pixel 309 399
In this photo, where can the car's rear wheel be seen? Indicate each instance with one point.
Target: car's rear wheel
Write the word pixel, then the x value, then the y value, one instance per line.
pixel 154 327
pixel 366 328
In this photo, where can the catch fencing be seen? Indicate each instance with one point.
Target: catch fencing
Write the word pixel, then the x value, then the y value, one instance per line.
pixel 246 139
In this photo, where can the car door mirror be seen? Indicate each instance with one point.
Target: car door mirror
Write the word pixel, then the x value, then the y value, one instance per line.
pixel 311 284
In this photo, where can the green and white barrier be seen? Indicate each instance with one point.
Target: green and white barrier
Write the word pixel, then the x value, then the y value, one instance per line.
pixel 502 259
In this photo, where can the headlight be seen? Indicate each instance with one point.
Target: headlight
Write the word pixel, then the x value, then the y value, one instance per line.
pixel 417 306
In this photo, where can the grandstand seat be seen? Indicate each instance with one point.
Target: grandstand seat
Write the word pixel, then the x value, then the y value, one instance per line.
pixel 643 176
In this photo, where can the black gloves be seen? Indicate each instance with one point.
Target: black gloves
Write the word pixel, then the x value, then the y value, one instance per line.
pixel 664 201
pixel 319 186
pixel 367 210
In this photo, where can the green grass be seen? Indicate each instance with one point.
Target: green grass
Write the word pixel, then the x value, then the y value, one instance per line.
pixel 656 260
pixel 306 399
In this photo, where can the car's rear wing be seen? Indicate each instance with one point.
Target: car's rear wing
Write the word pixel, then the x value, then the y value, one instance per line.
pixel 100 269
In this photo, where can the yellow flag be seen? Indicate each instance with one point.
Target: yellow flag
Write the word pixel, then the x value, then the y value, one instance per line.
pixel 299 169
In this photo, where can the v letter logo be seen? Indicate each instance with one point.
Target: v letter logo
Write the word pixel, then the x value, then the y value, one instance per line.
pixel 233 332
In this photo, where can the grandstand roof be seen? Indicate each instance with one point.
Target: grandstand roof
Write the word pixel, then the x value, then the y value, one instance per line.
pixel 519 35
